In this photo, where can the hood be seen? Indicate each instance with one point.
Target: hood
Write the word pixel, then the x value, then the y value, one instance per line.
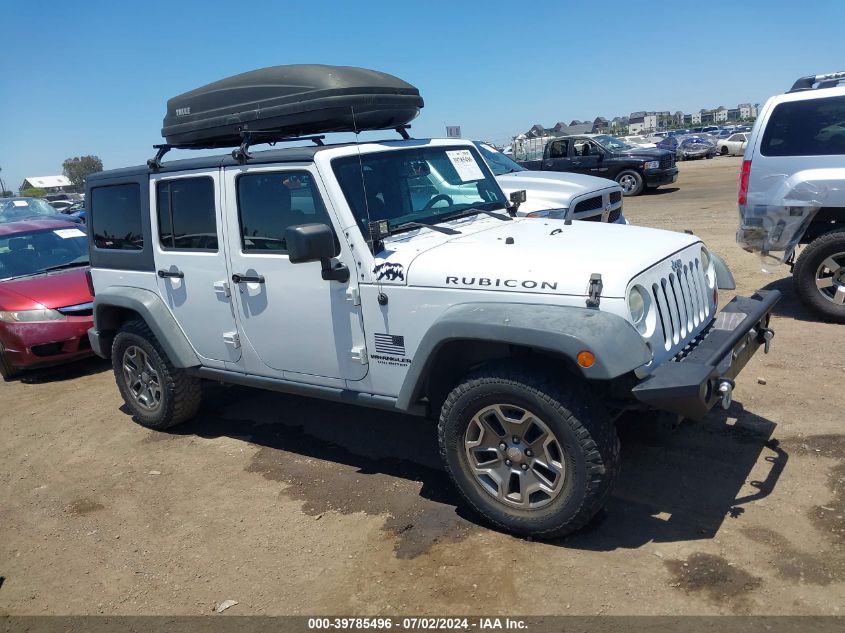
pixel 54 290
pixel 646 153
pixel 545 256
pixel 550 189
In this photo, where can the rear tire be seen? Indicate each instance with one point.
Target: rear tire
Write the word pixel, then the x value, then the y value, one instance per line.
pixel 7 371
pixel 631 182
pixel 819 276
pixel 158 394
pixel 561 452
pixel 724 151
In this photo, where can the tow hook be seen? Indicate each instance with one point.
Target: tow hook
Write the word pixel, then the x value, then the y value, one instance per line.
pixel 726 389
pixel 767 335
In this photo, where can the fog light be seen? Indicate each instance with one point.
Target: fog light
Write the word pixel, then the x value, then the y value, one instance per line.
pixel 586 359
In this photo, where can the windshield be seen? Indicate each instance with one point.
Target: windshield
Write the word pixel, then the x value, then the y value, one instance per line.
pixel 22 208
pixel 32 252
pixel 611 143
pixel 420 184
pixel 498 162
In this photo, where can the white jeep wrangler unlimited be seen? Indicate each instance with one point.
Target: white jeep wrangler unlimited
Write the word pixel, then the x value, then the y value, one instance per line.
pixel 343 272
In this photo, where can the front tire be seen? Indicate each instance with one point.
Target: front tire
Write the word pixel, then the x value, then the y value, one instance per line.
pixel 819 276
pixel 158 394
pixel 631 182
pixel 7 371
pixel 724 150
pixel 560 455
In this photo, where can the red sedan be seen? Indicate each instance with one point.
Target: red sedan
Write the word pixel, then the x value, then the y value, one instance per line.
pixel 45 302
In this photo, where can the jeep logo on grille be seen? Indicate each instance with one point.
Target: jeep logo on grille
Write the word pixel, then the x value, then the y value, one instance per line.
pixel 677 265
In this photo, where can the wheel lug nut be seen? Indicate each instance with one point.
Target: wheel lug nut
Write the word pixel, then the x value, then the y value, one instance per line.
pixel 503 446
pixel 515 439
pixel 529 453
pixel 525 467
pixel 508 462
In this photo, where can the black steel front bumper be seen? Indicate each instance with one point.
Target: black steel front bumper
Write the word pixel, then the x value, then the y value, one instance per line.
pixel 657 177
pixel 695 380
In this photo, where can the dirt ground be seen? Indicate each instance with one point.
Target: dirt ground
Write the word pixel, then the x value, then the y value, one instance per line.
pixel 295 506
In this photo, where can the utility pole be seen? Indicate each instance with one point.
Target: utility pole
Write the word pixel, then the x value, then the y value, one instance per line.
pixel 2 186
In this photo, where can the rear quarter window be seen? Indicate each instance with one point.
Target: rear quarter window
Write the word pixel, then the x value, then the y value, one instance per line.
pixel 116 217
pixel 806 128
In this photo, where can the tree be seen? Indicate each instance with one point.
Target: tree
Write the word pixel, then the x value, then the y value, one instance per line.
pixel 33 192
pixel 80 166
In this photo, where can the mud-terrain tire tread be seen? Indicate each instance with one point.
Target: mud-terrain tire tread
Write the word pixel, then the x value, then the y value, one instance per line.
pixel 182 393
pixel 578 408
pixel 804 274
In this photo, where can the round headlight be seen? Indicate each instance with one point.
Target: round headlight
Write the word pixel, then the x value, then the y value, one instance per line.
pixel 636 305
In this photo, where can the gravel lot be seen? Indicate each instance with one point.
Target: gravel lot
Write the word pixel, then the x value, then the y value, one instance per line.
pixel 294 506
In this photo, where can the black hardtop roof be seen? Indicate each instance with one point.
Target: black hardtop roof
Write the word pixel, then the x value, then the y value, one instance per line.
pixel 285 155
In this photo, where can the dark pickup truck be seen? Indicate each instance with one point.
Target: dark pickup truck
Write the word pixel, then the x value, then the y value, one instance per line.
pixel 634 168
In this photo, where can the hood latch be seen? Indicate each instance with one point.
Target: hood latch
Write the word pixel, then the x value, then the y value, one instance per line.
pixel 594 291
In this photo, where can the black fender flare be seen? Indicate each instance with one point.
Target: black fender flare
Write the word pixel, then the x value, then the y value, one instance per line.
pixel 108 305
pixel 564 330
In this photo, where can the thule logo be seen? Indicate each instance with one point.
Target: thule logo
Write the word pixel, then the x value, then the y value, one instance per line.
pixel 183 111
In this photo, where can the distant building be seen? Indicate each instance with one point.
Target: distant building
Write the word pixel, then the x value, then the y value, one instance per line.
pixel 51 184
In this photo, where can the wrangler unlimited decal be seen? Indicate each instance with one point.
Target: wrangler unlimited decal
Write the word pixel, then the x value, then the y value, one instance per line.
pixel 501 283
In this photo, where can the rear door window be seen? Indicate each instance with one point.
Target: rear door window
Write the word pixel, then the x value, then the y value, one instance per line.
pixel 187 215
pixel 806 128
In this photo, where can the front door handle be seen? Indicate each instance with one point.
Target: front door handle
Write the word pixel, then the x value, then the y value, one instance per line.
pixel 238 278
pixel 175 274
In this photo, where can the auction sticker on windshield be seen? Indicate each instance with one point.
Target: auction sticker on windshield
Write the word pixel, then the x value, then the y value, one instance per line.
pixel 20 203
pixel 464 163
pixel 68 233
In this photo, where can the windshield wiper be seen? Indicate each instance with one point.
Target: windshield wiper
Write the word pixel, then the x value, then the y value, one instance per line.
pixel 473 211
pixel 63 266
pixel 421 225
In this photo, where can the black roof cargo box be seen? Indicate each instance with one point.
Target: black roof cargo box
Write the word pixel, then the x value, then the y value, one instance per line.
pixel 289 101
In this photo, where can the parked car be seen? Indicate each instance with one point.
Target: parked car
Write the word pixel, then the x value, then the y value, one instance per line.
pixel 734 145
pixel 554 195
pixel 689 147
pixel 22 208
pixel 45 300
pixel 634 168
pixel 524 339
pixel 638 141
pixel 61 205
pixel 792 189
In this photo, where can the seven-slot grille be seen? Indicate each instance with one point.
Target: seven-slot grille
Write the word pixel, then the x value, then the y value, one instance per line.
pixel 682 299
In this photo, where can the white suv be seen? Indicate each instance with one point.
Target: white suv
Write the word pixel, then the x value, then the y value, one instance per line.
pixel 350 272
pixel 792 189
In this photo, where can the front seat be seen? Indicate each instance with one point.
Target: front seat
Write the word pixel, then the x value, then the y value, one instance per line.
pixel 23 259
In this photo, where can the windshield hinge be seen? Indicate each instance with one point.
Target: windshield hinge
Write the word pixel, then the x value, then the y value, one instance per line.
pixel 359 353
pixel 353 295
pixel 594 291
pixel 232 338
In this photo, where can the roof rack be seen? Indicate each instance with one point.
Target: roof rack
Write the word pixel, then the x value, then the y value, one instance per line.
pixel 249 138
pixel 829 80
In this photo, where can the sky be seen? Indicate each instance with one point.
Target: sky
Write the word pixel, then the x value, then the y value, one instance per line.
pixel 91 77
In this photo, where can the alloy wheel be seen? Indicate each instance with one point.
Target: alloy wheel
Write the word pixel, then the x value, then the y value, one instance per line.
pixel 514 456
pixel 830 279
pixel 628 183
pixel 141 378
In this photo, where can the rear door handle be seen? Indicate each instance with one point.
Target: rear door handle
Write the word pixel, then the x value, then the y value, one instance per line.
pixel 238 278
pixel 175 274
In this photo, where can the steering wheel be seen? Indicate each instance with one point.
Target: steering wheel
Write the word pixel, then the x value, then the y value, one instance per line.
pixel 438 198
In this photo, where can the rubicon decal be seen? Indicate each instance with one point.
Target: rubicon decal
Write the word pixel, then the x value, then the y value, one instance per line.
pixel 389 271
pixel 495 282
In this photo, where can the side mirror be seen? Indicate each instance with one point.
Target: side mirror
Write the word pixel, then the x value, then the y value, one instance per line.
pixel 315 242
